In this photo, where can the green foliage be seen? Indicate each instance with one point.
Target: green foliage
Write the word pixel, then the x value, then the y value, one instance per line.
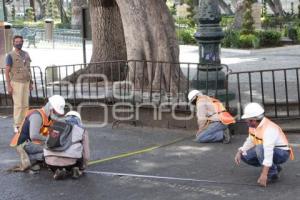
pixel 248 22
pixel 52 10
pixel 20 23
pixel 13 12
pixel 231 39
pixel 234 39
pixel 184 22
pixel 227 21
pixel 49 10
pixel 171 7
pixel 29 14
pixel 191 9
pixel 248 41
pixel 186 35
pixel 269 38
pixel 63 25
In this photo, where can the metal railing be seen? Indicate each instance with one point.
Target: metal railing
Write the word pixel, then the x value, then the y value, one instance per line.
pixel 134 81
pixel 276 89
pixel 37 92
pixel 146 82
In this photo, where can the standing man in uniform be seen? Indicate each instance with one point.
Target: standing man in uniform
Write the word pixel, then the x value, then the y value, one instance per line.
pixel 18 79
pixel 212 117
pixel 266 146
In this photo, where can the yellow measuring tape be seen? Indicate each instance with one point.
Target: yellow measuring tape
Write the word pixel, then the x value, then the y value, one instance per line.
pixel 127 154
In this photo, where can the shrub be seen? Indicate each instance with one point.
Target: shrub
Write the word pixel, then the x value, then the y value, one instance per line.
pixel 186 35
pixel 231 39
pixel 269 38
pixel 248 41
pixel 63 25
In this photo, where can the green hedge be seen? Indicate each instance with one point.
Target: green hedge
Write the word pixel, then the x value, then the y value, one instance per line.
pixel 234 39
pixel 269 38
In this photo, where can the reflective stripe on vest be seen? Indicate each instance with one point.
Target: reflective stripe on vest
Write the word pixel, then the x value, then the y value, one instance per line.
pixel 224 116
pixel 257 134
pixel 44 130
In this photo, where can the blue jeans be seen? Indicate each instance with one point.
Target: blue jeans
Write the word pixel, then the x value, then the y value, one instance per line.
pixel 213 133
pixel 34 151
pixel 255 157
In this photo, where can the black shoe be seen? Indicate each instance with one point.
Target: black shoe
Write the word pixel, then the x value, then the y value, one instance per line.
pixel 279 168
pixel 273 178
pixel 226 136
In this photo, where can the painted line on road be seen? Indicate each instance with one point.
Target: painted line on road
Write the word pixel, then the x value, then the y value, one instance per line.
pixel 145 150
pixel 168 178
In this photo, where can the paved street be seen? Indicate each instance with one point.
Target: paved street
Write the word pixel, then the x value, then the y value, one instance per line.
pixel 183 170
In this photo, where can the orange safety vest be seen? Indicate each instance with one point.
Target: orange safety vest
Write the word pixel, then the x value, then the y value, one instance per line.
pixel 44 130
pixel 224 116
pixel 257 134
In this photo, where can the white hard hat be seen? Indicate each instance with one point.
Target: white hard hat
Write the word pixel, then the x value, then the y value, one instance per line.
pixel 193 94
pixel 58 103
pixel 73 113
pixel 253 110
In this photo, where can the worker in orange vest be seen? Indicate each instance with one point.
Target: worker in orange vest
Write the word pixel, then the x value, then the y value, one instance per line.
pixel 266 146
pixel 212 117
pixel 30 139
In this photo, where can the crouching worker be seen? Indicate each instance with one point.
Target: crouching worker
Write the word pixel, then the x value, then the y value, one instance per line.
pixel 266 146
pixel 30 139
pixel 213 119
pixel 67 147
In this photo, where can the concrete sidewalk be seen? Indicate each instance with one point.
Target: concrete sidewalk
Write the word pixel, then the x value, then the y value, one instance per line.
pixel 182 170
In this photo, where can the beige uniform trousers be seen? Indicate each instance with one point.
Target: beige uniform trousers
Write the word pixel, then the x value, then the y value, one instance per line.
pixel 21 101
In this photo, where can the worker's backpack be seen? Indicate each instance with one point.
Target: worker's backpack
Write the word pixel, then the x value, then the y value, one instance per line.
pixel 60 136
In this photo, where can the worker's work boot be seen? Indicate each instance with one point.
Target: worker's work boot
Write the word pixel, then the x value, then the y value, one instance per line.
pixel 227 136
pixel 60 174
pixel 25 161
pixel 76 172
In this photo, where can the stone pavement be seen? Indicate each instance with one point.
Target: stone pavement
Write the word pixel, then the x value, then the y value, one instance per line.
pixel 204 171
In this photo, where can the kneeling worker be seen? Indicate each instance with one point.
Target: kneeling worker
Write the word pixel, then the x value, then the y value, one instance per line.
pixel 67 147
pixel 213 119
pixel 30 139
pixel 266 146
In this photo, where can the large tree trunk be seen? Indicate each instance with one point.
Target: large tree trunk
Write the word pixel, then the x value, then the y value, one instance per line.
pixel 76 13
pixel 239 12
pixel 108 39
pixel 64 18
pixel 42 5
pixel 150 35
pixel 225 7
pixel 276 7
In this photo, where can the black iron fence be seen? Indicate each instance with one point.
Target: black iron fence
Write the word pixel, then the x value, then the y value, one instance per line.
pixel 37 92
pixel 163 83
pixel 276 89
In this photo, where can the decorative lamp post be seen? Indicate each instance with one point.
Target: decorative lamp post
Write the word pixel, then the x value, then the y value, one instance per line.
pixel 210 78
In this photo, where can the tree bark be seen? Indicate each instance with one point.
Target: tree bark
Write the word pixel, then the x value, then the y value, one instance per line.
pixel 76 13
pixel 225 7
pixel 276 7
pixel 147 33
pixel 108 39
pixel 156 41
pixel 59 4
pixel 239 12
